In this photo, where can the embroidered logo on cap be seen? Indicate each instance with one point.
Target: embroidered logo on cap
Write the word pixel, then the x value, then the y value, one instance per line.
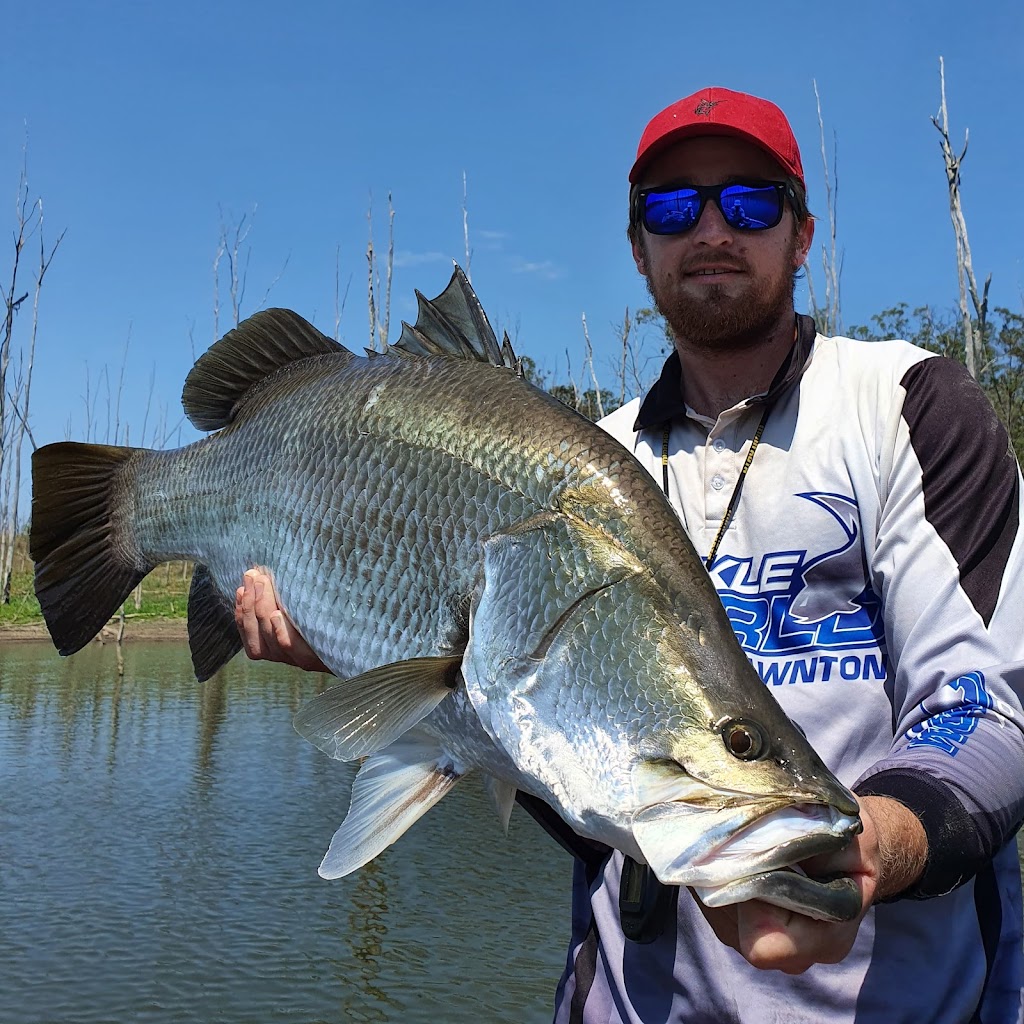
pixel 704 108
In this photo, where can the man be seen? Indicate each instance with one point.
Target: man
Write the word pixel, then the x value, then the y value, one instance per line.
pixel 859 510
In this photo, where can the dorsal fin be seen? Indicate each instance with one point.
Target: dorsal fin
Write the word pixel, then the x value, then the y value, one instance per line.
pixel 255 349
pixel 454 324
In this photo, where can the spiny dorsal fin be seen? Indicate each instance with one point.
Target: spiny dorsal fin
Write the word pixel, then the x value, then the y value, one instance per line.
pixel 255 349
pixel 455 324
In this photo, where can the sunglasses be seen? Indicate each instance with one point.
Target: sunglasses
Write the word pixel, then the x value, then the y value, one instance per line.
pixel 744 205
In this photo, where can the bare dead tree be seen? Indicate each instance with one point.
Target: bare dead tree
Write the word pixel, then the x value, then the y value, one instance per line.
pixel 339 306
pixel 371 296
pixel 120 392
pixel 149 406
pixel 16 381
pixel 217 257
pixel 624 331
pixel 574 387
pixel 237 272
pixel 465 227
pixel 25 214
pixel 232 249
pixel 390 269
pixel 589 360
pixel 379 328
pixel 828 317
pixel 974 340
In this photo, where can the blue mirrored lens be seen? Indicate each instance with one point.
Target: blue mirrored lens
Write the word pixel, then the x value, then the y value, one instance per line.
pixel 666 213
pixel 749 208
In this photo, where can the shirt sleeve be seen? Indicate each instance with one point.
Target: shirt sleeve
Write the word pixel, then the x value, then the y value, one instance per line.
pixel 949 566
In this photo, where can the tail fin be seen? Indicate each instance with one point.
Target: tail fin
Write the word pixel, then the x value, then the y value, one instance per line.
pixel 86 561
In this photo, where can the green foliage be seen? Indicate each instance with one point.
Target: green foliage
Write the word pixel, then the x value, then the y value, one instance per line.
pixel 164 596
pixel 1002 370
pixel 531 373
pixel 1004 379
pixel 585 402
pixel 23 606
pixel 650 317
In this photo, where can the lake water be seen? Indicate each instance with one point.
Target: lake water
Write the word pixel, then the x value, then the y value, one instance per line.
pixel 158 850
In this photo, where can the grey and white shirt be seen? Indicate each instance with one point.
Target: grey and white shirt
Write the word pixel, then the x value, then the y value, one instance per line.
pixel 874 574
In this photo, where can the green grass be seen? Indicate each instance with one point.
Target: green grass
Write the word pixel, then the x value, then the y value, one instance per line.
pixel 164 596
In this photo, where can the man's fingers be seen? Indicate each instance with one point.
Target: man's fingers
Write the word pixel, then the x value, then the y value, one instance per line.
pixel 771 938
pixel 245 617
pixel 253 610
pixel 282 630
pixel 266 631
pixel 723 922
pixel 266 599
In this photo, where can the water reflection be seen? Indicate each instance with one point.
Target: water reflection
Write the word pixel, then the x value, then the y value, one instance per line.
pixel 367 931
pixel 158 851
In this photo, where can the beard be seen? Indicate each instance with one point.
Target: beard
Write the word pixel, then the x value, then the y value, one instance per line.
pixel 719 321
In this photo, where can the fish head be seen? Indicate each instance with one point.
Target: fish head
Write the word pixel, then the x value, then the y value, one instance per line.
pixel 640 720
pixel 734 790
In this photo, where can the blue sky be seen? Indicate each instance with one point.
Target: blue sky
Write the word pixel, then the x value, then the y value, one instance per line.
pixel 148 124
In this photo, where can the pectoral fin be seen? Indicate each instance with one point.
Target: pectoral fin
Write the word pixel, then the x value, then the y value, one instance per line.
pixel 362 715
pixel 393 789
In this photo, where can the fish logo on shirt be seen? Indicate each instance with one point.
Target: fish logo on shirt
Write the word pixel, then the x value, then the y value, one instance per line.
pixel 825 576
pixel 794 601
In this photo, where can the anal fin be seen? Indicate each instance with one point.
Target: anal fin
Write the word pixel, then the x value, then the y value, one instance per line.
pixel 212 634
pixel 393 790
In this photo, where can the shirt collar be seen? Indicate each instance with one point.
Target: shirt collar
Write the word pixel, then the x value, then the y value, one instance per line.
pixel 664 402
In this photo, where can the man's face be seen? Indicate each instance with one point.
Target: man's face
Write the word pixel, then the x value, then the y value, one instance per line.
pixel 718 287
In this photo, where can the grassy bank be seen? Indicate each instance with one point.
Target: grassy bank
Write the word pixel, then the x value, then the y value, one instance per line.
pixel 163 594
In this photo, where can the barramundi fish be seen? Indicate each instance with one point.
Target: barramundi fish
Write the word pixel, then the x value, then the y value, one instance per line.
pixel 500 586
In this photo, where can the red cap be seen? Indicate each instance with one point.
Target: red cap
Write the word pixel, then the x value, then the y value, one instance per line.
pixel 717 111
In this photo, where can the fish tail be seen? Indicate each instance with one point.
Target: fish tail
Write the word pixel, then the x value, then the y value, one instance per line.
pixel 86 558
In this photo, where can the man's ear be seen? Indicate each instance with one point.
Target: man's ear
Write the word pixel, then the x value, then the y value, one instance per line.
pixel 805 235
pixel 639 256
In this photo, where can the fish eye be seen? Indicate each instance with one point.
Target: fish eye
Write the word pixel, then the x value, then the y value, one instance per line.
pixel 744 740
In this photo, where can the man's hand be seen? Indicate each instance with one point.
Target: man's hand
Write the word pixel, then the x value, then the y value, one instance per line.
pixel 267 633
pixel 886 858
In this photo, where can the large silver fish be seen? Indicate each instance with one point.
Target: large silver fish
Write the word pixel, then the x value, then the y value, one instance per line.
pixel 500 585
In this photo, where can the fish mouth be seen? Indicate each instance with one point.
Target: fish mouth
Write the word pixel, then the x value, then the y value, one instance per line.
pixel 715 846
pixel 835 898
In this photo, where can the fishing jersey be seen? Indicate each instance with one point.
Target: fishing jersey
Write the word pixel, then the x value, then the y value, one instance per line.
pixel 874 575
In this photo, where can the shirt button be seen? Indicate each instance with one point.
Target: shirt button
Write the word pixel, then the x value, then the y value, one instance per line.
pixel 718 481
pixel 719 445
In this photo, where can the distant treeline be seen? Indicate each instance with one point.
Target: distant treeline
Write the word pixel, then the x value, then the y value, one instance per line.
pixel 1000 369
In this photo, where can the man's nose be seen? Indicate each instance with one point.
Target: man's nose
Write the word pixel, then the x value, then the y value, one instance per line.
pixel 712 228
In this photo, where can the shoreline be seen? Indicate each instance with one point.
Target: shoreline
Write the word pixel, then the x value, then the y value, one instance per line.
pixel 134 630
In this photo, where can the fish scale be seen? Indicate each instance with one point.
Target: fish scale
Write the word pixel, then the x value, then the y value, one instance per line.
pixel 499 585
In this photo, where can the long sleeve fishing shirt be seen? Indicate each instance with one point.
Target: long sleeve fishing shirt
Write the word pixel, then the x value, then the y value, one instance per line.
pixel 874 574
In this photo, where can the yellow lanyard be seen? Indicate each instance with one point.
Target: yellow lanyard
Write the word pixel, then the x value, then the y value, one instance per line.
pixel 727 518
